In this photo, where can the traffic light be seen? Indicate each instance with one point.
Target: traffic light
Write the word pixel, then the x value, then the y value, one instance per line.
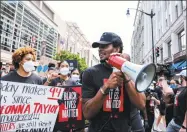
pixel 157 51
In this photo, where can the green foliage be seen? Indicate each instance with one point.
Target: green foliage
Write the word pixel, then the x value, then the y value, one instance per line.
pixel 66 55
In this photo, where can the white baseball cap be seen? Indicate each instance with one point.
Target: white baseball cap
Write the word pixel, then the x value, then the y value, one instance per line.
pixel 182 73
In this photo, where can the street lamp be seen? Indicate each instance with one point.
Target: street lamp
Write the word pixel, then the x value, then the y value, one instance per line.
pixel 151 15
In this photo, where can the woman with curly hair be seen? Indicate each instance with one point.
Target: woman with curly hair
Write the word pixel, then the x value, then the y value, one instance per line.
pixel 22 59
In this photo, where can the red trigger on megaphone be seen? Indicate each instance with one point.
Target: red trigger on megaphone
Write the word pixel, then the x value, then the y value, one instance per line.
pixel 116 61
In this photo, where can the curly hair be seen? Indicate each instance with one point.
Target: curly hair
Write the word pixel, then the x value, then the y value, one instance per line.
pixel 20 53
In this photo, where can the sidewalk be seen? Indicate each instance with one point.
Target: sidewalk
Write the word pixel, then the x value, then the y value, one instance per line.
pixel 161 127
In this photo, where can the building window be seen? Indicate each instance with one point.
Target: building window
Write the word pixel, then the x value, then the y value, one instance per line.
pixel 176 11
pixel 182 4
pixel 165 5
pixel 169 20
pixel 159 33
pixel 169 49
pixel 166 23
pixel 182 40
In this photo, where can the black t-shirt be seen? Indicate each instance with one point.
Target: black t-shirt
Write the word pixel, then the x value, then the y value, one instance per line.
pixel 13 76
pixel 159 92
pixel 115 118
pixel 59 82
pixel 180 104
pixel 44 79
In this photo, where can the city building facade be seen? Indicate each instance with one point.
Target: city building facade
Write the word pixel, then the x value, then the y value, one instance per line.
pixel 137 40
pixel 169 31
pixel 76 42
pixel 35 24
pixel 29 23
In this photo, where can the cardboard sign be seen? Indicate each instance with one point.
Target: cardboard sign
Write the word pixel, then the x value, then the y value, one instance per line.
pixel 70 109
pixel 28 107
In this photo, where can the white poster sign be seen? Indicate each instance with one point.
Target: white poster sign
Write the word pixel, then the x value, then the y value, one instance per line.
pixel 28 107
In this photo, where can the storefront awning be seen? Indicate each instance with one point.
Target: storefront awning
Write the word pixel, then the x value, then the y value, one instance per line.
pixel 179 65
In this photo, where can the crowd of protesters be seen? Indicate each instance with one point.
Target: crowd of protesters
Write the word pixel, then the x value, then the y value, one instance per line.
pixel 166 96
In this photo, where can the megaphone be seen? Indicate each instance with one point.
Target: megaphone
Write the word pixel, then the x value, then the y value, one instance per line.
pixel 142 75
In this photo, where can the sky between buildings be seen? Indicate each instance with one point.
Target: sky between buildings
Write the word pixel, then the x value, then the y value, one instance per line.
pixel 96 17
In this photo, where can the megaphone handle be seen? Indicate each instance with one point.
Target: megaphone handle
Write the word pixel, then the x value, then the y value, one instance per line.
pixel 127 81
pixel 127 78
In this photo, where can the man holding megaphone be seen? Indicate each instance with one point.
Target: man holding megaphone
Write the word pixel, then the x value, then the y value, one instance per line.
pixel 108 94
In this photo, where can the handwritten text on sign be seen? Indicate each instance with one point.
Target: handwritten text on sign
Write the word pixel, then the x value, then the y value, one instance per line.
pixel 27 107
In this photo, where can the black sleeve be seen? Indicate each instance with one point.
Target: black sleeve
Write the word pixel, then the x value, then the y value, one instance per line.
pixel 75 83
pixel 88 90
pixel 53 83
pixel 6 77
pixel 40 82
pixel 44 80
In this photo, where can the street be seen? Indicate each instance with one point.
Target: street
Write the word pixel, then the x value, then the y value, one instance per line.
pixel 162 126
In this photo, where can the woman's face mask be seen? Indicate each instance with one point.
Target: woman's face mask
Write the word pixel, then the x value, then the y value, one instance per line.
pixel 28 66
pixel 64 71
pixel 75 77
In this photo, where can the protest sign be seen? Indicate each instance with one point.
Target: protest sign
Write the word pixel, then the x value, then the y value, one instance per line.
pixel 70 109
pixel 28 107
pixel 72 64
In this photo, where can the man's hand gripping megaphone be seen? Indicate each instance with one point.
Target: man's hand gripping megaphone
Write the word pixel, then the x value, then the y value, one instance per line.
pixel 126 78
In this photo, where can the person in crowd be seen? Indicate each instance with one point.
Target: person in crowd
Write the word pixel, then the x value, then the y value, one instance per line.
pixel 180 102
pixel 173 84
pixel 107 95
pixel 169 109
pixel 35 68
pixel 3 71
pixel 12 68
pixel 64 79
pixel 51 65
pixel 51 73
pixel 177 83
pixel 23 61
pixel 162 105
pixel 151 102
pixel 135 114
pixel 6 69
pixel 75 75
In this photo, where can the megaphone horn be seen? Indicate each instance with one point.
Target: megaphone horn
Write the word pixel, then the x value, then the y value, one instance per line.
pixel 142 75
